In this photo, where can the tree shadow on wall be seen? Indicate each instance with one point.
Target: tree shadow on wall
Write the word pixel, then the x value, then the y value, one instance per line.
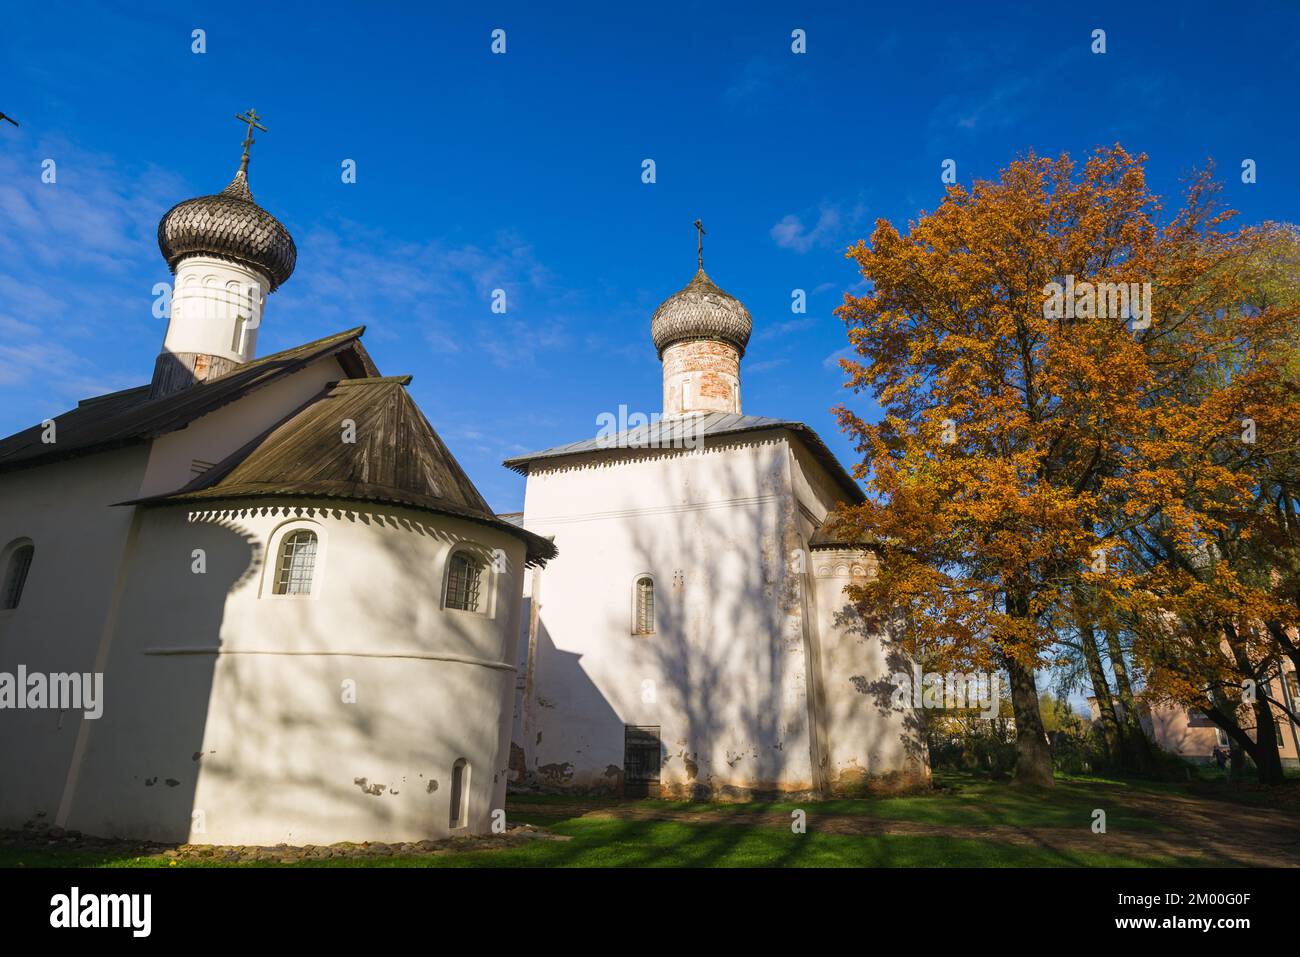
pixel 142 758
pixel 302 740
pixel 728 659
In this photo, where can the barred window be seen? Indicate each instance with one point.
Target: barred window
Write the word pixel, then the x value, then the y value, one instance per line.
pixel 643 606
pixel 297 564
pixel 20 562
pixel 464 582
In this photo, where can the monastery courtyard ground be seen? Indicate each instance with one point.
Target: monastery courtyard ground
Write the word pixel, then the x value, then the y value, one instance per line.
pixel 963 822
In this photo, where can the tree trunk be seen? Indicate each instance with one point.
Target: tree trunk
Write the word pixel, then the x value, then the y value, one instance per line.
pixel 1136 745
pixel 1100 689
pixel 1033 756
pixel 1268 763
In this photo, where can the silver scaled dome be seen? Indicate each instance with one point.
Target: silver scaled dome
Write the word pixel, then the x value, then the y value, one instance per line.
pixel 229 225
pixel 701 311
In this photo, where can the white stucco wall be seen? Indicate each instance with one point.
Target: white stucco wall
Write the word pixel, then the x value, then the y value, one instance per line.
pixel 224 699
pixel 871 745
pixel 216 308
pixel 64 508
pixel 747 698
pixel 724 674
pixel 866 742
pixel 67 510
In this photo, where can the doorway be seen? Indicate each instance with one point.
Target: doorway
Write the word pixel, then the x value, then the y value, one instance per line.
pixel 641 759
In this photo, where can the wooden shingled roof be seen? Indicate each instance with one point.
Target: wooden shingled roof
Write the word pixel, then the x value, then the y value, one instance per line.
pixel 130 417
pixel 397 458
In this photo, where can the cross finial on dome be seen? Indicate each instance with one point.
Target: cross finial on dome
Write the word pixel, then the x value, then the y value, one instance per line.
pixel 251 118
pixel 699 248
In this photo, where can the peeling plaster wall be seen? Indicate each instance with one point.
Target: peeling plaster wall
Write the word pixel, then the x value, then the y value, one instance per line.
pixel 724 674
pixel 873 744
pixel 869 744
pixel 255 734
pixel 701 375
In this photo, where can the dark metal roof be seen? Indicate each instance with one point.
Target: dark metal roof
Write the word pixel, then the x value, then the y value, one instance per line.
pixel 129 417
pixel 228 225
pixel 700 311
pixel 397 459
pixel 675 432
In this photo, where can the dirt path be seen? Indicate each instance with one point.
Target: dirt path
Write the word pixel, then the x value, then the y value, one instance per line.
pixel 1216 831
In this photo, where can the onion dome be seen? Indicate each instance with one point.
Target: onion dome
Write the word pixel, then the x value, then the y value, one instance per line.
pixel 229 225
pixel 701 311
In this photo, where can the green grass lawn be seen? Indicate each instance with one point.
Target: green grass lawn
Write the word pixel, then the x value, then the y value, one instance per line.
pixel 608 843
pixel 730 840
pixel 604 843
pixel 958 799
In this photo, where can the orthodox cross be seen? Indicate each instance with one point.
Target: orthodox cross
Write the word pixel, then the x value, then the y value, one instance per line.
pixel 699 240
pixel 251 119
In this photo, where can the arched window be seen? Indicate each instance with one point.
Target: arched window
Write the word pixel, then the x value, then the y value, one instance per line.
pixel 643 606
pixel 296 564
pixel 464 582
pixel 458 816
pixel 16 569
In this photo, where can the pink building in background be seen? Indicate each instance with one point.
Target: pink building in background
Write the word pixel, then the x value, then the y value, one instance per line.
pixel 1191 735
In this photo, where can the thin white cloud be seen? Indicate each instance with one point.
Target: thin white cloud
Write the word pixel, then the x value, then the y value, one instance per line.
pixel 429 290
pixel 792 233
pixel 832 221
pixel 77 263
pixel 832 361
pixel 757 78
pixel 787 328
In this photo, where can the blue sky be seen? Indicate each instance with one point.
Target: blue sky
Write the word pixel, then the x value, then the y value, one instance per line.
pixel 477 171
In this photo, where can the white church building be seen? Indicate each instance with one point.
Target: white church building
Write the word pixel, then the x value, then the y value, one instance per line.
pixel 311 627
pixel 693 638
pixel 304 612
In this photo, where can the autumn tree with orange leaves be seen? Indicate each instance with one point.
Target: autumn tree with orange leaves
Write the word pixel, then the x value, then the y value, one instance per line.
pixel 1038 346
pixel 1229 608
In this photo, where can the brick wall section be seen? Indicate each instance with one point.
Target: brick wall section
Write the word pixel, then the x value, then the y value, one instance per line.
pixel 713 371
